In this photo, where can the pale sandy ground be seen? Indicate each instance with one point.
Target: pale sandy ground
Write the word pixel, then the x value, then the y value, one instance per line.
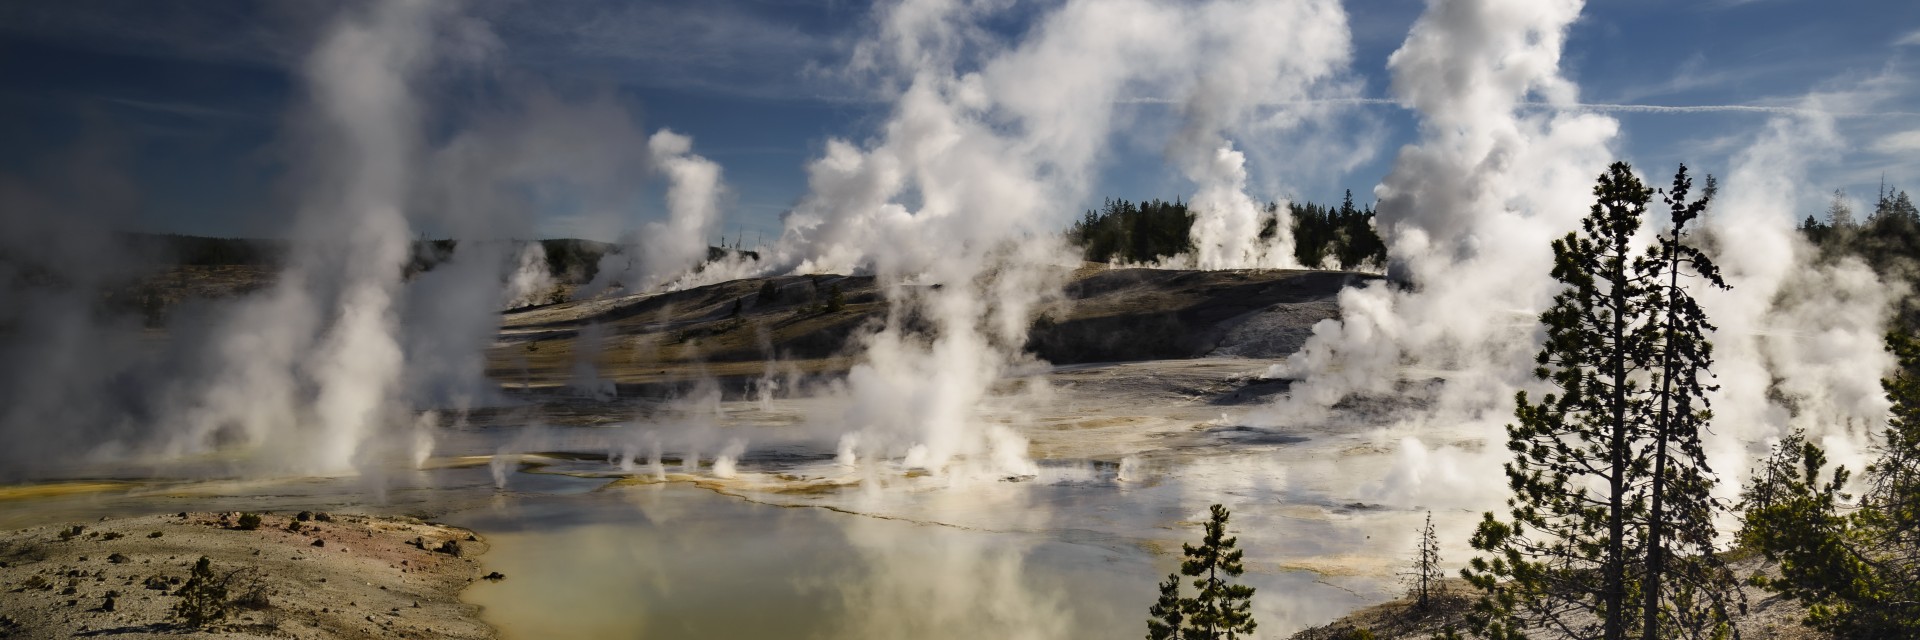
pixel 367 580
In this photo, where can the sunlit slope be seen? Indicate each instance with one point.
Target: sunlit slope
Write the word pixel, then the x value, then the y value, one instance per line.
pixel 804 324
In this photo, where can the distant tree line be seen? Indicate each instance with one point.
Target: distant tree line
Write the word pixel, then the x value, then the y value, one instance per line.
pixel 1325 236
pixel 1888 241
pixel 1129 232
pixel 568 259
pixel 199 251
pixel 571 260
pixel 1336 237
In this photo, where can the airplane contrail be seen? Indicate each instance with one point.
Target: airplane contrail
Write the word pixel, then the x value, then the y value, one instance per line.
pixel 1597 107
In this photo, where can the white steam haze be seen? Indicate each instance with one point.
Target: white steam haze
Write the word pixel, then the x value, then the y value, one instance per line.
pixel 1800 345
pixel 1468 214
pixel 670 251
pixel 307 372
pixel 1248 65
pixel 986 148
pixel 977 144
pixel 531 280
pixel 320 372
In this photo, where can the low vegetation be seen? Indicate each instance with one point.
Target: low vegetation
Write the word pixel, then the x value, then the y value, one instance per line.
pixel 1853 561
pixel 203 599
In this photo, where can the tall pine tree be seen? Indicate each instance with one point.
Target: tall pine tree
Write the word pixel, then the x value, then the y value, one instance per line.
pixel 1562 561
pixel 1687 588
pixel 1424 578
pixel 1221 610
pixel 1626 348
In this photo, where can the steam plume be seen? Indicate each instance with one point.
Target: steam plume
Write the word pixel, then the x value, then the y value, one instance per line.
pixel 985 147
pixel 1471 205
pixel 308 370
pixel 1469 211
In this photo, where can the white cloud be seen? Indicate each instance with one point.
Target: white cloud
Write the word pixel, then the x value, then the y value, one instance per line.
pixel 1902 142
pixel 1911 39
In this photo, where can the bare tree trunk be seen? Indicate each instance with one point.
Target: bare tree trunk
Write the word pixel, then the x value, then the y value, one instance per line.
pixel 1656 528
pixel 1615 568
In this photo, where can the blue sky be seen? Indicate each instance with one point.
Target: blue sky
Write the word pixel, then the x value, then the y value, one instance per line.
pixel 188 98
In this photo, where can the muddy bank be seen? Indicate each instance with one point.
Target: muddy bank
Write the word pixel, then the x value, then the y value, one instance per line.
pixel 328 576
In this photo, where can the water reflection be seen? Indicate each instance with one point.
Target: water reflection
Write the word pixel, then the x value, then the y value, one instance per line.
pixel 674 561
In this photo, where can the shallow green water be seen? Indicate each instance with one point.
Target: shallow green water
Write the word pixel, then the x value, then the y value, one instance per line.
pixel 672 561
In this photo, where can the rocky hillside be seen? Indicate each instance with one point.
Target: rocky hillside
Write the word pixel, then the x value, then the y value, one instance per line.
pixel 806 323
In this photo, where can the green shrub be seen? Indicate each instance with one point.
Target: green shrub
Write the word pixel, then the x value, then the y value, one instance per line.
pixel 203 599
pixel 248 522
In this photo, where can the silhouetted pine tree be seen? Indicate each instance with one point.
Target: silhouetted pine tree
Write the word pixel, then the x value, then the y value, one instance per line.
pixel 1680 533
pixel 1581 555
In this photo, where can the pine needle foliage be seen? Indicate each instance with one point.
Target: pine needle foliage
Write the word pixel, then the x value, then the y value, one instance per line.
pixel 1855 567
pixel 1611 527
pixel 203 599
pixel 1689 592
pixel 1167 613
pixel 1221 610
pixel 1425 576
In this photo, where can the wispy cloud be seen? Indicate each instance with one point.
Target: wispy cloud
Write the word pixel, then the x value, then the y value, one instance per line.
pixel 183 109
pixel 1694 75
pixel 1723 108
pixel 1911 39
pixel 1284 103
pixel 737 48
pixel 1594 107
pixel 1902 142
